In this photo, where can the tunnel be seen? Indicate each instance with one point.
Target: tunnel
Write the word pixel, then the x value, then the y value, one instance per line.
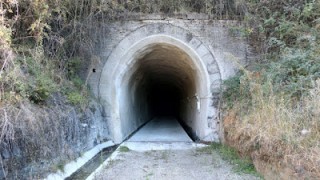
pixel 161 83
pixel 149 76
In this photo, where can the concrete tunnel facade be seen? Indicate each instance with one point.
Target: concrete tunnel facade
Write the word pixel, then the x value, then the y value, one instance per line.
pixel 158 72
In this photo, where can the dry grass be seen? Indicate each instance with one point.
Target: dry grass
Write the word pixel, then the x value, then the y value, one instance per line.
pixel 40 133
pixel 279 132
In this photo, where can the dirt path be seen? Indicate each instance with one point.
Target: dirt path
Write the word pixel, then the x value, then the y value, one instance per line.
pixel 171 164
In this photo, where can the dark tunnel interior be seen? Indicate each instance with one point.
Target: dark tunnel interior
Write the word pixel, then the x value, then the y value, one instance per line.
pixel 162 83
pixel 164 99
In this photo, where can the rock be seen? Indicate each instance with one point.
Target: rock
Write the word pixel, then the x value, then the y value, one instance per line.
pixel 2 174
pixel 84 125
pixel 5 154
pixel 305 132
pixel 16 151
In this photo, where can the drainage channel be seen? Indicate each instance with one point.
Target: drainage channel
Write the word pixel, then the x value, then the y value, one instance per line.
pixel 92 164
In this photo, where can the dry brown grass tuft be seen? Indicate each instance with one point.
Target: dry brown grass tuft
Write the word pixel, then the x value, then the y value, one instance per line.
pixel 277 132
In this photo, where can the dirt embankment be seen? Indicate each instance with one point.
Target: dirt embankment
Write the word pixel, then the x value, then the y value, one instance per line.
pixel 274 159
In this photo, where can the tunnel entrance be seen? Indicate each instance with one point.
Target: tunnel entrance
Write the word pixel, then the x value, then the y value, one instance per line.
pixel 159 76
pixel 162 84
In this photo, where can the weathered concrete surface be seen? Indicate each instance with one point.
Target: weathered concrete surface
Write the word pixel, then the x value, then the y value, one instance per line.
pixel 190 163
pixel 73 166
pixel 161 129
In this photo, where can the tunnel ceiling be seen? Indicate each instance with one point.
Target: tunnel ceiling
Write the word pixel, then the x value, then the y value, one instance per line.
pixel 167 65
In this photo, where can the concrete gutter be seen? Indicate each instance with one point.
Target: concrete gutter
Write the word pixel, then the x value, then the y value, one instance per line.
pixel 105 163
pixel 73 166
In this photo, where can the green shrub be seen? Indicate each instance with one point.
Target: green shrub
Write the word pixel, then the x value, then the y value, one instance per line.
pixel 37 82
pixel 236 88
pixel 78 83
pixel 124 149
pixel 232 90
pixel 77 98
pixel 295 72
pixel 73 66
pixel 42 89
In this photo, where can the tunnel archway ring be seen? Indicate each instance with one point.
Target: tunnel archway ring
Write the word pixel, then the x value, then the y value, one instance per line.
pixel 125 55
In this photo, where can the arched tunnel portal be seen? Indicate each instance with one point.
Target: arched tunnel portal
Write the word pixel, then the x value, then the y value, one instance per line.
pixel 155 76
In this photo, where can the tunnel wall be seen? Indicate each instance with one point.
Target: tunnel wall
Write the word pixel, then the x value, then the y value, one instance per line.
pixel 214 50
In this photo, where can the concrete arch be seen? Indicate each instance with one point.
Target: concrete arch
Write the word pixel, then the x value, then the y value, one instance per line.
pixel 130 64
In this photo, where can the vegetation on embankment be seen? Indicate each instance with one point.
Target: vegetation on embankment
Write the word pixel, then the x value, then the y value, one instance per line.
pixel 44 104
pixel 272 108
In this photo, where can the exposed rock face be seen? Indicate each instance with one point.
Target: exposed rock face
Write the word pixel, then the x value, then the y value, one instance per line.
pixel 50 136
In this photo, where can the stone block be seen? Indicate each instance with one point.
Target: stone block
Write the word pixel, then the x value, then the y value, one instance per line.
pixel 195 43
pixel 213 69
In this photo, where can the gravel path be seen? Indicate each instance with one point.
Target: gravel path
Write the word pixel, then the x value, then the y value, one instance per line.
pixel 182 164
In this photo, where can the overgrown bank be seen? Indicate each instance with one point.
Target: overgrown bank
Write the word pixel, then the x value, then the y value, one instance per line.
pixel 46 118
pixel 272 107
pixel 47 115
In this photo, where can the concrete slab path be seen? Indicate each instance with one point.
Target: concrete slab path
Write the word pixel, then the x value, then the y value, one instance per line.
pixel 162 150
pixel 161 129
pixel 191 163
